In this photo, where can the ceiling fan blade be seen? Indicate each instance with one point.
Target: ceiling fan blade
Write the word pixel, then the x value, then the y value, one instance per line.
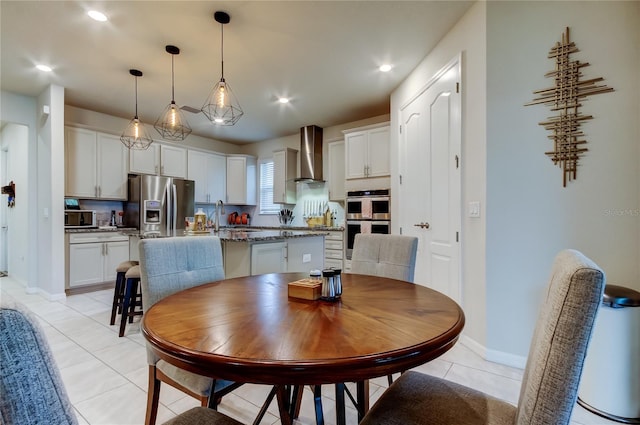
pixel 190 109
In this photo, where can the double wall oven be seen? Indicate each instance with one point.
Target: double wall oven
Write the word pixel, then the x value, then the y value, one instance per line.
pixel 368 211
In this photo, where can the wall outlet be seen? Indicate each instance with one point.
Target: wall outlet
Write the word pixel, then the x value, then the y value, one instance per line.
pixel 306 258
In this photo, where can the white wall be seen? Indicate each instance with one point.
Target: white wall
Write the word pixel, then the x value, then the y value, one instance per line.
pixel 50 184
pixel 15 140
pixel 530 216
pixel 467 37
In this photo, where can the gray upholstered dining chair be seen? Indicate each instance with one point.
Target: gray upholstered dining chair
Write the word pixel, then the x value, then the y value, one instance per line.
pixel 31 389
pixel 167 266
pixel 392 256
pixel 551 377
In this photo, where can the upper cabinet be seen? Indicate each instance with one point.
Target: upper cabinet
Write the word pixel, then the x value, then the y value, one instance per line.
pixel 159 159
pixel 336 169
pixel 209 171
pixel 285 165
pixel 367 152
pixel 95 165
pixel 241 180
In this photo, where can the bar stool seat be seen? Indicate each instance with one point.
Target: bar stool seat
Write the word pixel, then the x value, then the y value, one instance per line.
pixel 131 298
pixel 118 292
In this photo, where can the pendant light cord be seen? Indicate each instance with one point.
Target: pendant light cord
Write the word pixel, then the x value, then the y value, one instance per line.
pixel 173 97
pixel 222 49
pixel 136 97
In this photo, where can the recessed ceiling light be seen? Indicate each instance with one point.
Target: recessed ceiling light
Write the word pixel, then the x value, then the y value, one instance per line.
pixel 97 16
pixel 283 100
pixel 385 68
pixel 44 68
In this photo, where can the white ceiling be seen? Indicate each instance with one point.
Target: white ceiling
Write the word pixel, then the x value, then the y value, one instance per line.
pixel 322 54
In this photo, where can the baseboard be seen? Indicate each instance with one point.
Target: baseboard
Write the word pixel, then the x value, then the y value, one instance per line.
pixel 495 356
pixel 52 297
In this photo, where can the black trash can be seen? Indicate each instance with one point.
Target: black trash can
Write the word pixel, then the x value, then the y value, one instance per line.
pixel 610 383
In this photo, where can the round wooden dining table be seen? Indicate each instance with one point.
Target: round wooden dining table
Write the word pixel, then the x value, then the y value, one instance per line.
pixel 248 329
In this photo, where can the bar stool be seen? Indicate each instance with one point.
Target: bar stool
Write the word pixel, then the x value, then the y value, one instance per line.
pixel 118 292
pixel 131 298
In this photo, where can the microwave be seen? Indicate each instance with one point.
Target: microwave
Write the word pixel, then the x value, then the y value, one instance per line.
pixel 74 219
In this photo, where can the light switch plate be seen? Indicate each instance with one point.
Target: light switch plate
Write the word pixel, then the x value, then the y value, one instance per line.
pixel 474 209
pixel 306 258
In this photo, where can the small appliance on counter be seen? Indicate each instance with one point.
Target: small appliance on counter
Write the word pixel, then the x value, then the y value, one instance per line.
pixel 76 219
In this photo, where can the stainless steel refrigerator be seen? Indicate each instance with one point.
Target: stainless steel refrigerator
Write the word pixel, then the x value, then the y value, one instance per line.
pixel 158 205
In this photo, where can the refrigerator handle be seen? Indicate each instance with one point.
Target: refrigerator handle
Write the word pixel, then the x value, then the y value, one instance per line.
pixel 168 210
pixel 175 209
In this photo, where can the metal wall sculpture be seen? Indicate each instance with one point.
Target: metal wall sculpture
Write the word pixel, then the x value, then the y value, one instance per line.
pixel 564 98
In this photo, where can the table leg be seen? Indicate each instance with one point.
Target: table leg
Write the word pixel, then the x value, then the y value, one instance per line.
pixel 362 395
pixel 284 403
pixel 340 408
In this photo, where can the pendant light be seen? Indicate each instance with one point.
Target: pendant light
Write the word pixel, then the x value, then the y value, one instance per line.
pixel 171 124
pixel 135 136
pixel 222 107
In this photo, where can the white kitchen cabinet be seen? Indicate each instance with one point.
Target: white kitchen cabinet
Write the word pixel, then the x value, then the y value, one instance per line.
pixel 209 171
pixel 93 257
pixel 159 159
pixel 241 180
pixel 285 166
pixel 269 257
pixel 95 165
pixel 336 168
pixel 334 250
pixel 367 152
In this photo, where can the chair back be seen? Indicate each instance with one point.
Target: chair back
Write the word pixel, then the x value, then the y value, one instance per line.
pixel 559 345
pixel 392 256
pixel 31 390
pixel 169 265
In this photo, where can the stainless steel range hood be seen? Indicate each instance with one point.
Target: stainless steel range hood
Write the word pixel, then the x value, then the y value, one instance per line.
pixel 310 154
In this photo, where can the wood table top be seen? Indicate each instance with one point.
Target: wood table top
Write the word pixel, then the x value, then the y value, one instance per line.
pixel 247 329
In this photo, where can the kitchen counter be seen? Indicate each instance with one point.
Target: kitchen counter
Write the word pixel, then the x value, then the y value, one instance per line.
pixel 98 229
pixel 255 235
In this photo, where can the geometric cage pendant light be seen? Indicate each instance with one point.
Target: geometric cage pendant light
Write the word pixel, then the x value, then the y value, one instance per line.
pixel 171 124
pixel 222 107
pixel 135 135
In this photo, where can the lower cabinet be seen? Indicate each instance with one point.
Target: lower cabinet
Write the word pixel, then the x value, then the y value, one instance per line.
pixel 268 257
pixel 93 257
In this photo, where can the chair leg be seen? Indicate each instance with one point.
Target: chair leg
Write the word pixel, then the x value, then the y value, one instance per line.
pixel 153 397
pixel 125 306
pixel 116 307
pixel 390 379
pixel 133 300
pixel 317 403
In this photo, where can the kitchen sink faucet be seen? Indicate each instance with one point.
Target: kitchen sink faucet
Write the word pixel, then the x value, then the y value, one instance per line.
pixel 219 210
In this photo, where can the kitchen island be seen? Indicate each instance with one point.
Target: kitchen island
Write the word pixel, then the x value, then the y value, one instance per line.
pixel 249 252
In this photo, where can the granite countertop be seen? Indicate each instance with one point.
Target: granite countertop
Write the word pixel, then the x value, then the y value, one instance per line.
pixel 232 233
pixel 103 229
pixel 255 235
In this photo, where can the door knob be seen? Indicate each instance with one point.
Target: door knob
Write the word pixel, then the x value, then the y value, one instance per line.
pixel 422 225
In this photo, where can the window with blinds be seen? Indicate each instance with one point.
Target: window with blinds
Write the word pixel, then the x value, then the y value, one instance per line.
pixel 266 188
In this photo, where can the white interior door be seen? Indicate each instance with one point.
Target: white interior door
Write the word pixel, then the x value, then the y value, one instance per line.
pixel 430 187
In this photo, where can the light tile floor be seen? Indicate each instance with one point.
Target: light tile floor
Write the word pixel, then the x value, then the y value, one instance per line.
pixel 106 376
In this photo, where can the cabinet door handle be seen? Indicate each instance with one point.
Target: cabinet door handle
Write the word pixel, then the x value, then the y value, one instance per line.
pixel 156 169
pixel 422 225
pixel 99 191
pixel 106 250
pixel 162 169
